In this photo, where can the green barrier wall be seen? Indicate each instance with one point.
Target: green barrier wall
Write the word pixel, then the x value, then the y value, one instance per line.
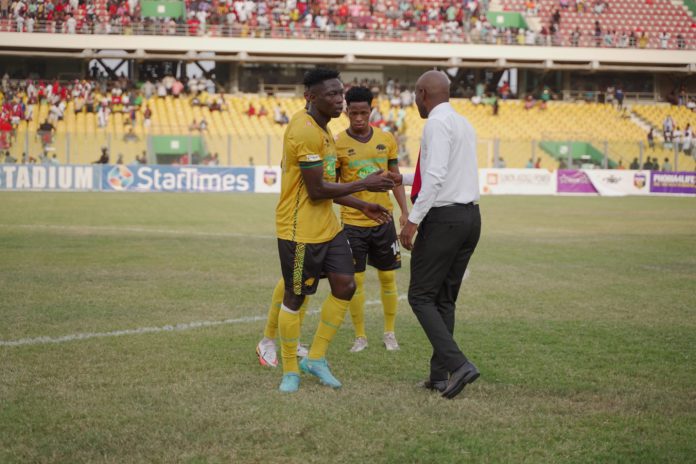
pixel 162 9
pixel 506 19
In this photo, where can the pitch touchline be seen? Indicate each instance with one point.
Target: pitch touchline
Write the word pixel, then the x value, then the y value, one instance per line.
pixel 147 330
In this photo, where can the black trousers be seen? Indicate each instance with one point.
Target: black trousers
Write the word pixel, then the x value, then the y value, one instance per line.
pixel 447 237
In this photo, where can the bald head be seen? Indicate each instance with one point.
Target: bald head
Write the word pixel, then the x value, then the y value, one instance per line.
pixel 432 88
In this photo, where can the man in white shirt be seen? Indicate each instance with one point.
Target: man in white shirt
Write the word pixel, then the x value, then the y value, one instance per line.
pixel 445 212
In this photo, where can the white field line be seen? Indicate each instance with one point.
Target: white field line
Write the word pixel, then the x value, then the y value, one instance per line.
pixel 144 330
pixel 148 330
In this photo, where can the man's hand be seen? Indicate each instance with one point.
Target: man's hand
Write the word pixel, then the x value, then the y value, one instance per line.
pixel 407 233
pixel 396 178
pixel 377 213
pixel 376 182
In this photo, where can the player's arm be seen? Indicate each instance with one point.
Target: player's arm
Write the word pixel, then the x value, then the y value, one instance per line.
pixel 319 189
pixel 372 210
pixel 399 193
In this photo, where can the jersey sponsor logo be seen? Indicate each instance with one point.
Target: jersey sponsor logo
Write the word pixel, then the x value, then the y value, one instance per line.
pixel 380 147
pixel 330 167
pixel 313 158
pixel 366 171
pixel 351 152
pixel 359 163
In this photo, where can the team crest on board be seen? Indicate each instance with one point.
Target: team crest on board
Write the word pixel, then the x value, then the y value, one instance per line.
pixel 270 177
pixel 639 180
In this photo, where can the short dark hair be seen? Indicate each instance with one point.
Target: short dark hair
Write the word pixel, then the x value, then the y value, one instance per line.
pixel 359 94
pixel 319 75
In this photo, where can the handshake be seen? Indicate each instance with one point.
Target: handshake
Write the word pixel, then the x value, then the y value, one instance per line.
pixel 381 181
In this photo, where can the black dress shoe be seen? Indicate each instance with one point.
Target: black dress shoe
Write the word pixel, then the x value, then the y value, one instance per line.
pixel 435 385
pixel 465 374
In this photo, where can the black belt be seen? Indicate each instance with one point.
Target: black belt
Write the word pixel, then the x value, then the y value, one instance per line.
pixel 473 203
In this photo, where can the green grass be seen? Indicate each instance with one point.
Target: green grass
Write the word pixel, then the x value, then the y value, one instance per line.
pixel 579 312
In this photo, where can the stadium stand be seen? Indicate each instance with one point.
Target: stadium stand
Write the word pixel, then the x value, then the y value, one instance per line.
pixel 619 23
pixel 239 136
pixel 622 24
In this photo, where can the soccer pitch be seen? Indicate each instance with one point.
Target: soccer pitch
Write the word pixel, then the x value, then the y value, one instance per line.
pixel 579 312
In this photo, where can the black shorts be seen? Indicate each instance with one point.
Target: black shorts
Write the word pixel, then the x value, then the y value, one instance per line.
pixel 376 246
pixel 303 264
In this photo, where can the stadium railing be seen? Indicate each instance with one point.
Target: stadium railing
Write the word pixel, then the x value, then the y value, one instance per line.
pixel 266 150
pixel 282 32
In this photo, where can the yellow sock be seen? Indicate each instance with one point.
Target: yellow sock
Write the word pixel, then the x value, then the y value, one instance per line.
pixel 289 328
pixel 357 305
pixel 271 328
pixel 390 298
pixel 303 309
pixel 276 300
pixel 332 313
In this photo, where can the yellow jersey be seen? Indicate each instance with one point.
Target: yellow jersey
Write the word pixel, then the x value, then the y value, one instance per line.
pixel 298 218
pixel 356 160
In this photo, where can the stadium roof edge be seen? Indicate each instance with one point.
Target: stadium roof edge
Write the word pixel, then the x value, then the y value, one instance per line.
pixel 347 52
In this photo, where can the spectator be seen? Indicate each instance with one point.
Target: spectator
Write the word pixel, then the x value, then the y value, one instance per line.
pixel 687 140
pixel 597 34
pixel 677 137
pixel 129 136
pixel 619 95
pixel 666 166
pixel 643 40
pixel 262 111
pixel 104 158
pixel 147 117
pixel 647 165
pixel 177 88
pixel 45 132
pixel 634 164
pixel 651 139
pixel 251 111
pixel 530 164
pixel 664 39
pixel 9 159
pixel 667 128
pixel 681 42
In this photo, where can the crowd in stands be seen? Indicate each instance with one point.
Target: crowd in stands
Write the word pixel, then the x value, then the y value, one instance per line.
pixel 455 21
pixel 101 97
pixel 557 30
pixel 451 19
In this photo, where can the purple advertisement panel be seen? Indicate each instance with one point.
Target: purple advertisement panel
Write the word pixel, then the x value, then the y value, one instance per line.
pixel 574 181
pixel 673 182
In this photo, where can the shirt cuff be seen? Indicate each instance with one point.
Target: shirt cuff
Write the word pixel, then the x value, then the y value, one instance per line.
pixel 407 179
pixel 415 217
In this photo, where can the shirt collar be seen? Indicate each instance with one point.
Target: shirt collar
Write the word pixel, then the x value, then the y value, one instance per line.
pixel 441 108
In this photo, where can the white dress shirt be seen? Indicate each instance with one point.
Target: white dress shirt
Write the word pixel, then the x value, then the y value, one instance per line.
pixel 449 173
